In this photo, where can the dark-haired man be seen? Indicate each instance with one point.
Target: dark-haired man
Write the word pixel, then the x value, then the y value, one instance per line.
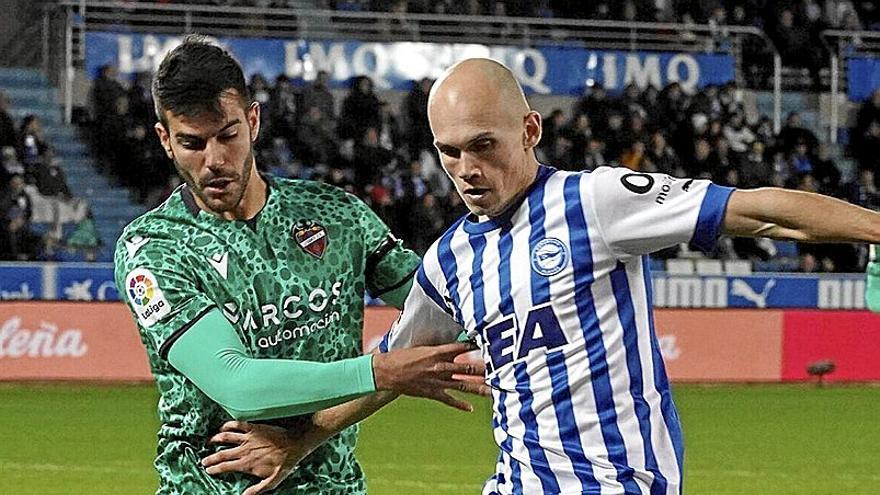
pixel 248 291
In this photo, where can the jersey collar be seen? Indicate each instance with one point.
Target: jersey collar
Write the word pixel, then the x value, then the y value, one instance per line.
pixel 472 226
pixel 186 195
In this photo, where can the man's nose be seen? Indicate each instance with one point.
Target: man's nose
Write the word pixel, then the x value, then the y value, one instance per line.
pixel 468 168
pixel 215 155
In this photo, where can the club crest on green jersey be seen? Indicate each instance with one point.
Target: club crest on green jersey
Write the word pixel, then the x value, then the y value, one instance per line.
pixel 311 237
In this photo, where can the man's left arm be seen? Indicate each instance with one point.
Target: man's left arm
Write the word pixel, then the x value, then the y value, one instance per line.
pixel 389 266
pixel 798 216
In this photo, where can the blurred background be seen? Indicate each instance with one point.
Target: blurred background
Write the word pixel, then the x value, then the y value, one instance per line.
pixel 749 94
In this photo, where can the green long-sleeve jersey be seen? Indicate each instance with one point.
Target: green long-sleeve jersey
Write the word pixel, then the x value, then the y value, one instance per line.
pixel 291 281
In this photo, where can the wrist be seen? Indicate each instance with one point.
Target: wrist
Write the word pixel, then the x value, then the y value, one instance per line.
pixel 380 376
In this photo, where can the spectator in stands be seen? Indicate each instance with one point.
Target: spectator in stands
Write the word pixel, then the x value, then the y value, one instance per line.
pixel 319 95
pixel 15 216
pixel 10 165
pixel 701 166
pixel 8 134
pixel 391 135
pixel 283 107
pixel 650 102
pixel 868 114
pixel 793 132
pixel 32 143
pixel 800 162
pixel 428 223
pixel 738 134
pixel 553 125
pixel 371 160
pixel 595 156
pixel 50 179
pixel 794 44
pixel 613 137
pixel 84 238
pixel 826 172
pixel 662 157
pixel 755 171
pixel 416 117
pixel 577 133
pixel 673 107
pixel 631 100
pixel 594 103
pixel 140 101
pixel 316 139
pixel 633 157
pixel 106 90
pixel 261 93
pixel 360 110
pixel 863 191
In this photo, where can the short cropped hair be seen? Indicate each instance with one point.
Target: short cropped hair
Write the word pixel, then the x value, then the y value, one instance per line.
pixel 192 78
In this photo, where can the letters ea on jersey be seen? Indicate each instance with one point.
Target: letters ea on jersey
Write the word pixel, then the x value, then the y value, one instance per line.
pixel 147 299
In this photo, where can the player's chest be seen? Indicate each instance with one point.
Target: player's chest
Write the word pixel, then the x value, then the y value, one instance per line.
pixel 266 280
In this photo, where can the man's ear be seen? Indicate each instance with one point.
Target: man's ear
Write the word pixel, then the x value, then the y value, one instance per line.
pixel 164 138
pixel 532 129
pixel 253 118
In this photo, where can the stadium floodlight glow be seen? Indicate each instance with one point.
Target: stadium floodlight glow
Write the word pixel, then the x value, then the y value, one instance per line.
pixel 821 368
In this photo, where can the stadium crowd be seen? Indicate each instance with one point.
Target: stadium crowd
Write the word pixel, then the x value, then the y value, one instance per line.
pixel 39 216
pixel 385 154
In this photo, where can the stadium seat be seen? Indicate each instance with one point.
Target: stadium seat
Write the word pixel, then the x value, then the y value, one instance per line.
pixel 709 267
pixel 678 266
pixel 737 267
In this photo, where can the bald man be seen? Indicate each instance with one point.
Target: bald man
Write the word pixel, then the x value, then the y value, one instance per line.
pixel 548 275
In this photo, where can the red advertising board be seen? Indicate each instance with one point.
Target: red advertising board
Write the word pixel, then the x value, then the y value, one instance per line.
pixel 725 345
pixel 70 341
pixel 849 338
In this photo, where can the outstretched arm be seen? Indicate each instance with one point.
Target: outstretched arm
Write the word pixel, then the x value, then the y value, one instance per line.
pixel 799 216
pixel 211 354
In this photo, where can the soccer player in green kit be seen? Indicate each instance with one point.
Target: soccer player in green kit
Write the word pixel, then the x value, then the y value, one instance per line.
pixel 248 291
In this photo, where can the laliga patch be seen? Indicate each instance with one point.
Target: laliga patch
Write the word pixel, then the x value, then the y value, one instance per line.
pixel 549 257
pixel 310 236
pixel 146 297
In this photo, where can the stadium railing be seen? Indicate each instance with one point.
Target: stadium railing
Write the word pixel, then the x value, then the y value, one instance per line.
pixel 86 15
pixel 842 46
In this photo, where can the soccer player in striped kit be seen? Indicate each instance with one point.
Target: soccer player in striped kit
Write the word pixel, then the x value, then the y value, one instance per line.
pixel 548 274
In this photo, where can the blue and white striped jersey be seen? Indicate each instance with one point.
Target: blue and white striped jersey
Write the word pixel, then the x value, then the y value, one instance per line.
pixel 556 292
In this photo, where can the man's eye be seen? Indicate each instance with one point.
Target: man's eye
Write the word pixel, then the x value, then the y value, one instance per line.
pixel 226 137
pixel 482 145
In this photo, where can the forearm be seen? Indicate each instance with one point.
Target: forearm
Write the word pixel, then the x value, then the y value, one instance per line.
pixel 331 421
pixel 799 216
pixel 211 355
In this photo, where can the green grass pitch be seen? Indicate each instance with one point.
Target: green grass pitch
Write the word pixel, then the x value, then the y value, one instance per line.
pixel 767 439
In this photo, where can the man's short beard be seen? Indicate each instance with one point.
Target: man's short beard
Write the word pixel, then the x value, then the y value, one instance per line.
pixel 245 177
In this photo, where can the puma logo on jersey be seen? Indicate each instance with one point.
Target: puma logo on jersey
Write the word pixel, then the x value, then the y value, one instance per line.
pixel 220 262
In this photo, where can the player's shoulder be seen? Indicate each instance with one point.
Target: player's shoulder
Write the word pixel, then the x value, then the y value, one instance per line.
pixel 307 191
pixel 162 229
